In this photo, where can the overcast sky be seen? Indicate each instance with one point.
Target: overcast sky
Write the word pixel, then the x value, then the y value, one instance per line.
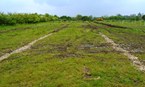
pixel 74 7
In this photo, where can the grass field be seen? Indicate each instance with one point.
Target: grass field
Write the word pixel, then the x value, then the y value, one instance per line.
pixel 130 24
pixel 13 37
pixel 129 39
pixel 76 56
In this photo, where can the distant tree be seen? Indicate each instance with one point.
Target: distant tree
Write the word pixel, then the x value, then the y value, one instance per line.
pixel 21 18
pixel 90 18
pixel 133 17
pixel 7 19
pixel 119 15
pixel 143 17
pixel 79 17
pixel 55 18
pixel 65 18
pixel 139 15
pixel 2 18
pixel 85 18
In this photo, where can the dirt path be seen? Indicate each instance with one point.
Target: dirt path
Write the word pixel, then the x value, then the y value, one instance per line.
pixel 113 26
pixel 133 58
pixel 28 46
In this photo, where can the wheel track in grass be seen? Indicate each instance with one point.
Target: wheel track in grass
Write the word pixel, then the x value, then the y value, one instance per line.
pixel 133 58
pixel 28 46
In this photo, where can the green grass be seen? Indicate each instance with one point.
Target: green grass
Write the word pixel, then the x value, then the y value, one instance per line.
pixel 59 61
pixel 129 39
pixel 17 36
pixel 131 24
pixel 113 70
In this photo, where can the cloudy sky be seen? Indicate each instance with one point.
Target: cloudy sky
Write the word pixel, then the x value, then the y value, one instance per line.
pixel 74 7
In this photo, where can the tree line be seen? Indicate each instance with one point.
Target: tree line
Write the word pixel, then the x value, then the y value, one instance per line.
pixel 132 17
pixel 26 18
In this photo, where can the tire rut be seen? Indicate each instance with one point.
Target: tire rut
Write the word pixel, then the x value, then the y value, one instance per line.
pixel 133 58
pixel 28 46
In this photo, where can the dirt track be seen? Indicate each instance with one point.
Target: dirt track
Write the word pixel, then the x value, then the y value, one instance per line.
pixel 115 46
pixel 28 46
pixel 133 58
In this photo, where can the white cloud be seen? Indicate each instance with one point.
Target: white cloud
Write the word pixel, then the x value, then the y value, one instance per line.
pixel 73 7
pixel 23 6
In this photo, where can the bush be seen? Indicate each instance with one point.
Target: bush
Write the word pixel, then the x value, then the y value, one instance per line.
pixel 143 17
pixel 12 19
